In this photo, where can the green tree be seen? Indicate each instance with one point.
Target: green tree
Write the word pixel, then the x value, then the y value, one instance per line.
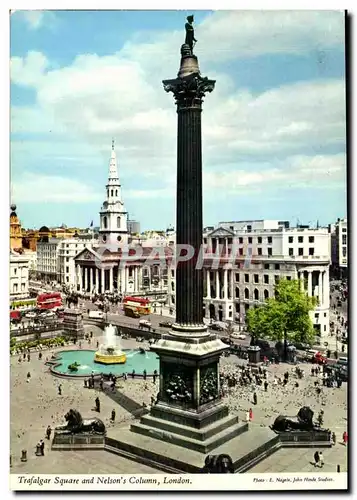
pixel 284 317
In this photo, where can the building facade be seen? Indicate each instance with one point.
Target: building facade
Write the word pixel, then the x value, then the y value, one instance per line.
pixel 339 248
pixel 47 259
pixel 66 253
pixel 15 230
pixel 242 266
pixel 19 276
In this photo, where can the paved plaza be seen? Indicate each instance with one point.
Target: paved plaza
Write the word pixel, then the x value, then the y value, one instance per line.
pixel 37 404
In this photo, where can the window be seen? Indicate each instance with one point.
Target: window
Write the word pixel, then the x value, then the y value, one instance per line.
pixel 270 251
pixel 291 239
pixel 15 271
pixel 288 278
pixel 344 230
pixel 246 293
pixel 172 286
pixel 256 278
pixel 237 277
pixel 311 239
pixel 22 287
pixel 246 278
pixel 276 278
pixel 325 314
pixel 240 240
pixel 249 228
pixel 118 221
pixel 266 266
pixel 173 299
pixel 344 251
pixel 260 239
pixel 277 267
pixel 119 238
pixel 324 328
pixel 205 240
pixel 270 239
pixel 301 251
pixel 250 240
pixel 311 251
pixel 344 239
pixel 105 222
pixel 266 279
pixel 67 259
pixel 260 251
pixel 240 251
pixel 300 239
pixel 266 294
pixel 237 292
pixel 256 294
pixel 172 273
pixel 14 288
pixel 67 269
pixel 317 315
pixel 291 252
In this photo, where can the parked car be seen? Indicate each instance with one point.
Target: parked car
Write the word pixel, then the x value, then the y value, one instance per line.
pixel 30 315
pixel 342 361
pixel 145 323
pixel 216 327
pixel 165 324
pixel 302 346
pixel 239 336
pixel 316 357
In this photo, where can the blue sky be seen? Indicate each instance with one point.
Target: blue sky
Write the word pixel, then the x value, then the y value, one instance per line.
pixel 273 129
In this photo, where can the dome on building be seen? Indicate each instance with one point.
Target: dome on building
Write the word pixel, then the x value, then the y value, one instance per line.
pixel 44 229
pixel 13 210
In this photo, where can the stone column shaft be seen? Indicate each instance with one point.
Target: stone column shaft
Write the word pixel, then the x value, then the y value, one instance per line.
pixel 208 274
pixel 225 284
pixel 102 286
pixel 309 283
pixel 111 277
pixel 217 285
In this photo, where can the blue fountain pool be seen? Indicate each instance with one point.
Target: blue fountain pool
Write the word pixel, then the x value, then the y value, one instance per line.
pixel 135 360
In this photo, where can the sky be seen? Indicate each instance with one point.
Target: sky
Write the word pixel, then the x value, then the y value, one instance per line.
pixel 273 130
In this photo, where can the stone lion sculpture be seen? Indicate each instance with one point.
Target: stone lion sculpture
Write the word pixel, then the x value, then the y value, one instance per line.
pixel 218 464
pixel 303 422
pixel 76 424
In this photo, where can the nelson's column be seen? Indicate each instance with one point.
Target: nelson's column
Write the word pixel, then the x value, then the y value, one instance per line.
pixel 188 411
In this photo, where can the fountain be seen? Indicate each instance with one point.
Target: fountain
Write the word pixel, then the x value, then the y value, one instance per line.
pixel 110 353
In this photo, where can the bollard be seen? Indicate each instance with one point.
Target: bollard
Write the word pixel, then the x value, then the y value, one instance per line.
pixel 24 456
pixel 38 450
pixel 338 468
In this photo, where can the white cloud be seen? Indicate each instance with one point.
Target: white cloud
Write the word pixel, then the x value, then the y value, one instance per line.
pixel 121 95
pixel 33 188
pixel 36 19
pixel 317 172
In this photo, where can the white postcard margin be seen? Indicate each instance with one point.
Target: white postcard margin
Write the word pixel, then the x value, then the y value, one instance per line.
pixel 176 482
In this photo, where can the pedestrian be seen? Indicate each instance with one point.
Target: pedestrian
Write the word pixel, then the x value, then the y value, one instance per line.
pixel 250 414
pixel 125 376
pixel 48 432
pixel 266 386
pixel 345 438
pixel 42 447
pixel 60 390
pixel 316 458
pixel 97 404
pixel 321 459
pixel 333 436
pixel 40 356
pixel 97 344
pixel 312 371
pixel 113 416
pixel 144 374
pixel 28 357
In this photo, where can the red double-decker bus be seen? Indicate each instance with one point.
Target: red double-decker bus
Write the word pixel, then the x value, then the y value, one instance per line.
pixel 141 305
pixel 49 300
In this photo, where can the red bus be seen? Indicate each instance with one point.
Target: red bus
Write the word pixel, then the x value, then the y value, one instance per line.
pixel 49 300
pixel 140 304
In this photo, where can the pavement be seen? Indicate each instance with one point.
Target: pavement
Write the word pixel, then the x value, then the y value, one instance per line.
pixel 36 404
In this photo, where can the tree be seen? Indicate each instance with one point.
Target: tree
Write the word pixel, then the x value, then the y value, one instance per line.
pixel 229 330
pixel 284 317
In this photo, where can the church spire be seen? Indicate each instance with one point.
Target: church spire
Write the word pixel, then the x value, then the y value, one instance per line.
pixel 113 169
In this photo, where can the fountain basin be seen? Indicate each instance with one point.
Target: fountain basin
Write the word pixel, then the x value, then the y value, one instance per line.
pixel 135 361
pixel 110 359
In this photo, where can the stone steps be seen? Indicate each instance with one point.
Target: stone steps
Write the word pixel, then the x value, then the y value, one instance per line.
pixel 183 430
pixel 188 442
pixel 142 460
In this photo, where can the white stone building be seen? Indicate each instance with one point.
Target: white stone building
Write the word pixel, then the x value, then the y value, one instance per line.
pixel 47 259
pixel 339 247
pixel 19 276
pixel 265 251
pixel 67 251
